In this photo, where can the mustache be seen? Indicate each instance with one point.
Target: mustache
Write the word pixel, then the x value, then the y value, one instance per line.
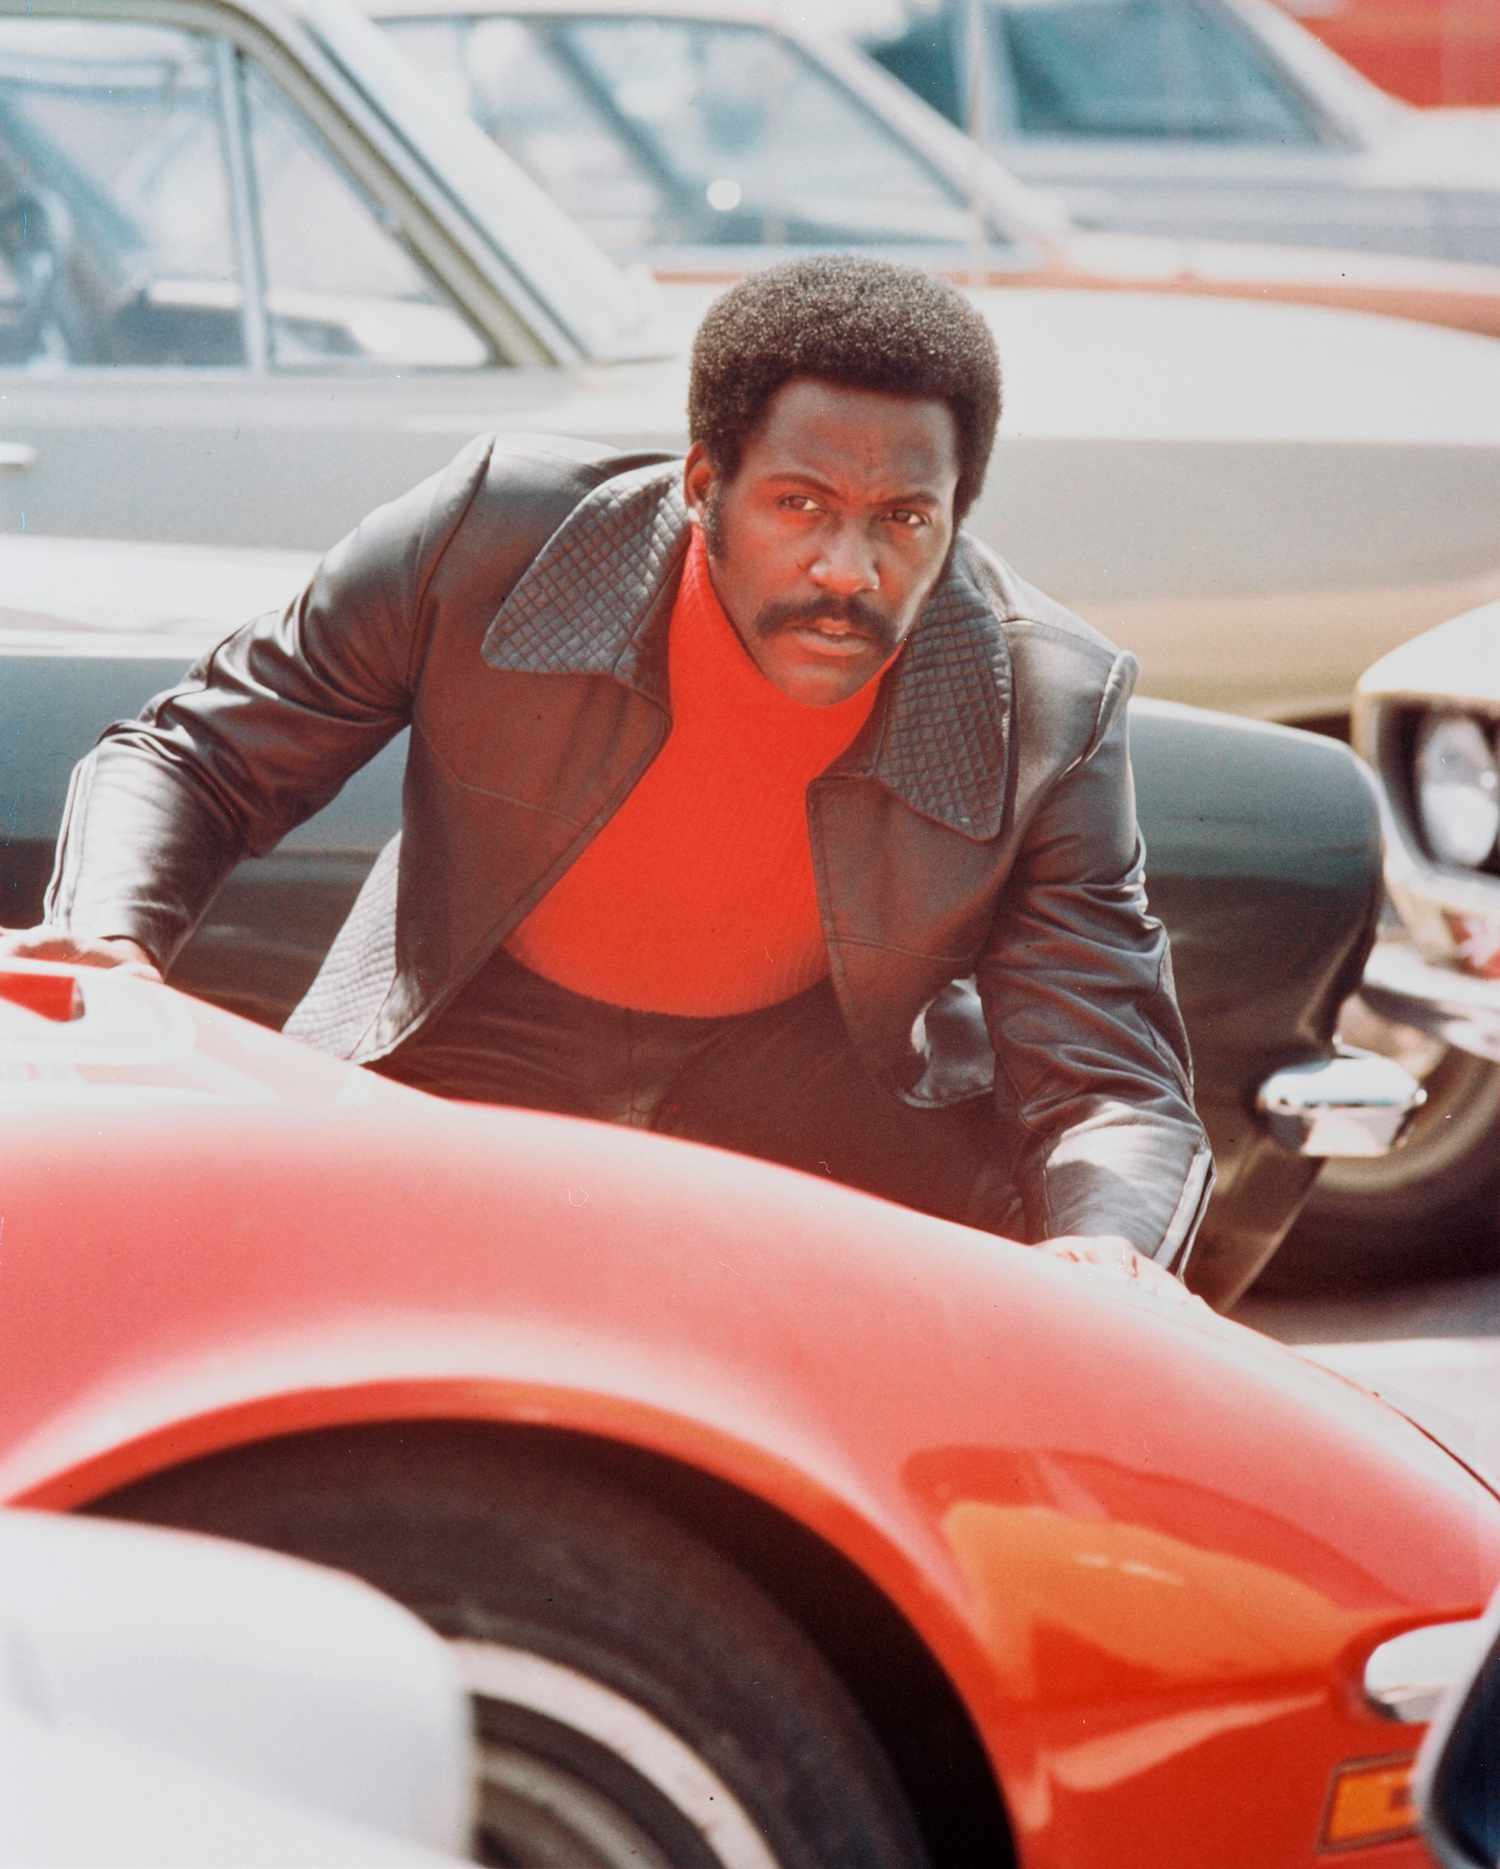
pixel 855 611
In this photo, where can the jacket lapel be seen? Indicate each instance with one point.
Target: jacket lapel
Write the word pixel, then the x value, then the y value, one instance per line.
pixel 940 739
pixel 597 597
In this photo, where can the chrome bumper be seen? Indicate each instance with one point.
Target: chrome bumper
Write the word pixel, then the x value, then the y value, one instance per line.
pixel 1462 1009
pixel 1354 1103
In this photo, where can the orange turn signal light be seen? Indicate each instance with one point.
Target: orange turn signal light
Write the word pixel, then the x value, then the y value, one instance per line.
pixel 1371 1802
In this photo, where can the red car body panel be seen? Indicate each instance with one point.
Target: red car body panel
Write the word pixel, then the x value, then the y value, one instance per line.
pixel 1427 51
pixel 1150 1550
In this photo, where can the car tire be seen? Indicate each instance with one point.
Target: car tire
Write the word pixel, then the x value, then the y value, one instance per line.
pixel 1429 1207
pixel 638 1700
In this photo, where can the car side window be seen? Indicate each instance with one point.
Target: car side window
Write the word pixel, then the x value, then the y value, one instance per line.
pixel 124 240
pixel 544 115
pixel 659 133
pixel 1142 69
pixel 112 259
pixel 341 287
pixel 764 145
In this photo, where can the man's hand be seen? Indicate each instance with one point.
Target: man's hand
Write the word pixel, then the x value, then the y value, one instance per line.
pixel 1114 1253
pixel 46 943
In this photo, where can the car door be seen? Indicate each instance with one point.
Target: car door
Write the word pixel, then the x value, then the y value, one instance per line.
pixel 221 317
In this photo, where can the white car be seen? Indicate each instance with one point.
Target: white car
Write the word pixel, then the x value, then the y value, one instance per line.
pixel 703 137
pixel 1207 117
pixel 1427 719
pixel 268 281
pixel 172 1701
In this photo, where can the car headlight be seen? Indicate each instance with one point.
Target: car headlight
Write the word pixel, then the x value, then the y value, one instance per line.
pixel 1457 785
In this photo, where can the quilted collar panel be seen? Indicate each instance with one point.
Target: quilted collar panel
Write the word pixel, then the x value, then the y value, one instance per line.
pixel 596 600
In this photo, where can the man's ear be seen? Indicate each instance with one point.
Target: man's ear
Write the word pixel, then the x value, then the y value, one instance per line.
pixel 699 477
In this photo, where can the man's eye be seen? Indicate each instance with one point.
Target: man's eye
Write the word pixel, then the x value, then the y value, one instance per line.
pixel 798 502
pixel 907 516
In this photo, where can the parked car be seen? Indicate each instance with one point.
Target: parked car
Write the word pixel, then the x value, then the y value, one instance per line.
pixel 1456 1766
pixel 1427 718
pixel 1446 52
pixel 706 138
pixel 770 1523
pixel 1257 499
pixel 1264 864
pixel 176 1702
pixel 1222 118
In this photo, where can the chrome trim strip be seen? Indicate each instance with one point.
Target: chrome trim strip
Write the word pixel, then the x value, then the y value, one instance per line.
pixel 1462 1009
pixel 244 203
pixel 1406 1677
pixel 1355 1103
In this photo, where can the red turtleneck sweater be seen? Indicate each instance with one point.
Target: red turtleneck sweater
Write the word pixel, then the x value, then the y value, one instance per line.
pixel 698 896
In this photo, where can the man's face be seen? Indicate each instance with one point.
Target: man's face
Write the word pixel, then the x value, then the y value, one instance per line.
pixel 827 542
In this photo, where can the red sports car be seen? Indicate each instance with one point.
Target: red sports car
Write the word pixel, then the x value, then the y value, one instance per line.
pixel 775 1527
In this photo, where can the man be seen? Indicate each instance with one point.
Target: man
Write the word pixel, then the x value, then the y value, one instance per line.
pixel 747 799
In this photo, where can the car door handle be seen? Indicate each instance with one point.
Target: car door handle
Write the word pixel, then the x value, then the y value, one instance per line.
pixel 18 454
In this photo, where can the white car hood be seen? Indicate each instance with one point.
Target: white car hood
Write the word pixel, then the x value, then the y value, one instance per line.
pixel 1457 661
pixel 1126 365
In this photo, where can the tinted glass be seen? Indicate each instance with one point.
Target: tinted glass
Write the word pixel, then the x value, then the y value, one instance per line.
pixel 115 221
pixel 120 243
pixel 540 109
pixel 662 132
pixel 341 288
pixel 1142 68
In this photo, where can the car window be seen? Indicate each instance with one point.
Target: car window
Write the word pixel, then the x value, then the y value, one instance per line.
pixel 540 110
pixel 663 132
pixel 340 286
pixel 96 122
pixel 1141 69
pixel 122 241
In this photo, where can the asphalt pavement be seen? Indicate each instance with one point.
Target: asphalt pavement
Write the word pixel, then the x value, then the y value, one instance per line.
pixel 1432 1347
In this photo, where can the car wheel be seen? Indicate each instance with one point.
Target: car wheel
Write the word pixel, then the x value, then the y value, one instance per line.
pixel 1430 1206
pixel 639 1702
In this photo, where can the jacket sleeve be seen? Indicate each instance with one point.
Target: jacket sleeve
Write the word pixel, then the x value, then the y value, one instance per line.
pixel 259 734
pixel 1093 1077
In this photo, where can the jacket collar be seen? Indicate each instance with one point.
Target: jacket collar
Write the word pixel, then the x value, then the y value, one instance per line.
pixel 598 596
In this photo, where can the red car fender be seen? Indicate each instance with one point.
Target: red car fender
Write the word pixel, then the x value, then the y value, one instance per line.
pixel 1127 1529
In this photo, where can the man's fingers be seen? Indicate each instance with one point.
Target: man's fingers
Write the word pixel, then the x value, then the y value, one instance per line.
pixel 1111 1253
pixel 78 950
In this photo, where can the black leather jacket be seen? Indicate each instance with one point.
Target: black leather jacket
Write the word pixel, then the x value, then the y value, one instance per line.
pixel 978 864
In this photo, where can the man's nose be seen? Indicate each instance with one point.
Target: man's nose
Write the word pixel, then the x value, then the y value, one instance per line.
pixel 845 562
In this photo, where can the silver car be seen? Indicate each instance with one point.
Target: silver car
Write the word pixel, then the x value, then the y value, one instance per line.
pixel 1215 117
pixel 263 280
pixel 1427 719
pixel 257 283
pixel 706 136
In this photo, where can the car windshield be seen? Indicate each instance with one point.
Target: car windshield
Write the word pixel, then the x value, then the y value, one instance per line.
pixel 675 132
pixel 609 312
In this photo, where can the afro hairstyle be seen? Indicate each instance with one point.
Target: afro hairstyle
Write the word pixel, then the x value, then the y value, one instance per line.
pixel 844 319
